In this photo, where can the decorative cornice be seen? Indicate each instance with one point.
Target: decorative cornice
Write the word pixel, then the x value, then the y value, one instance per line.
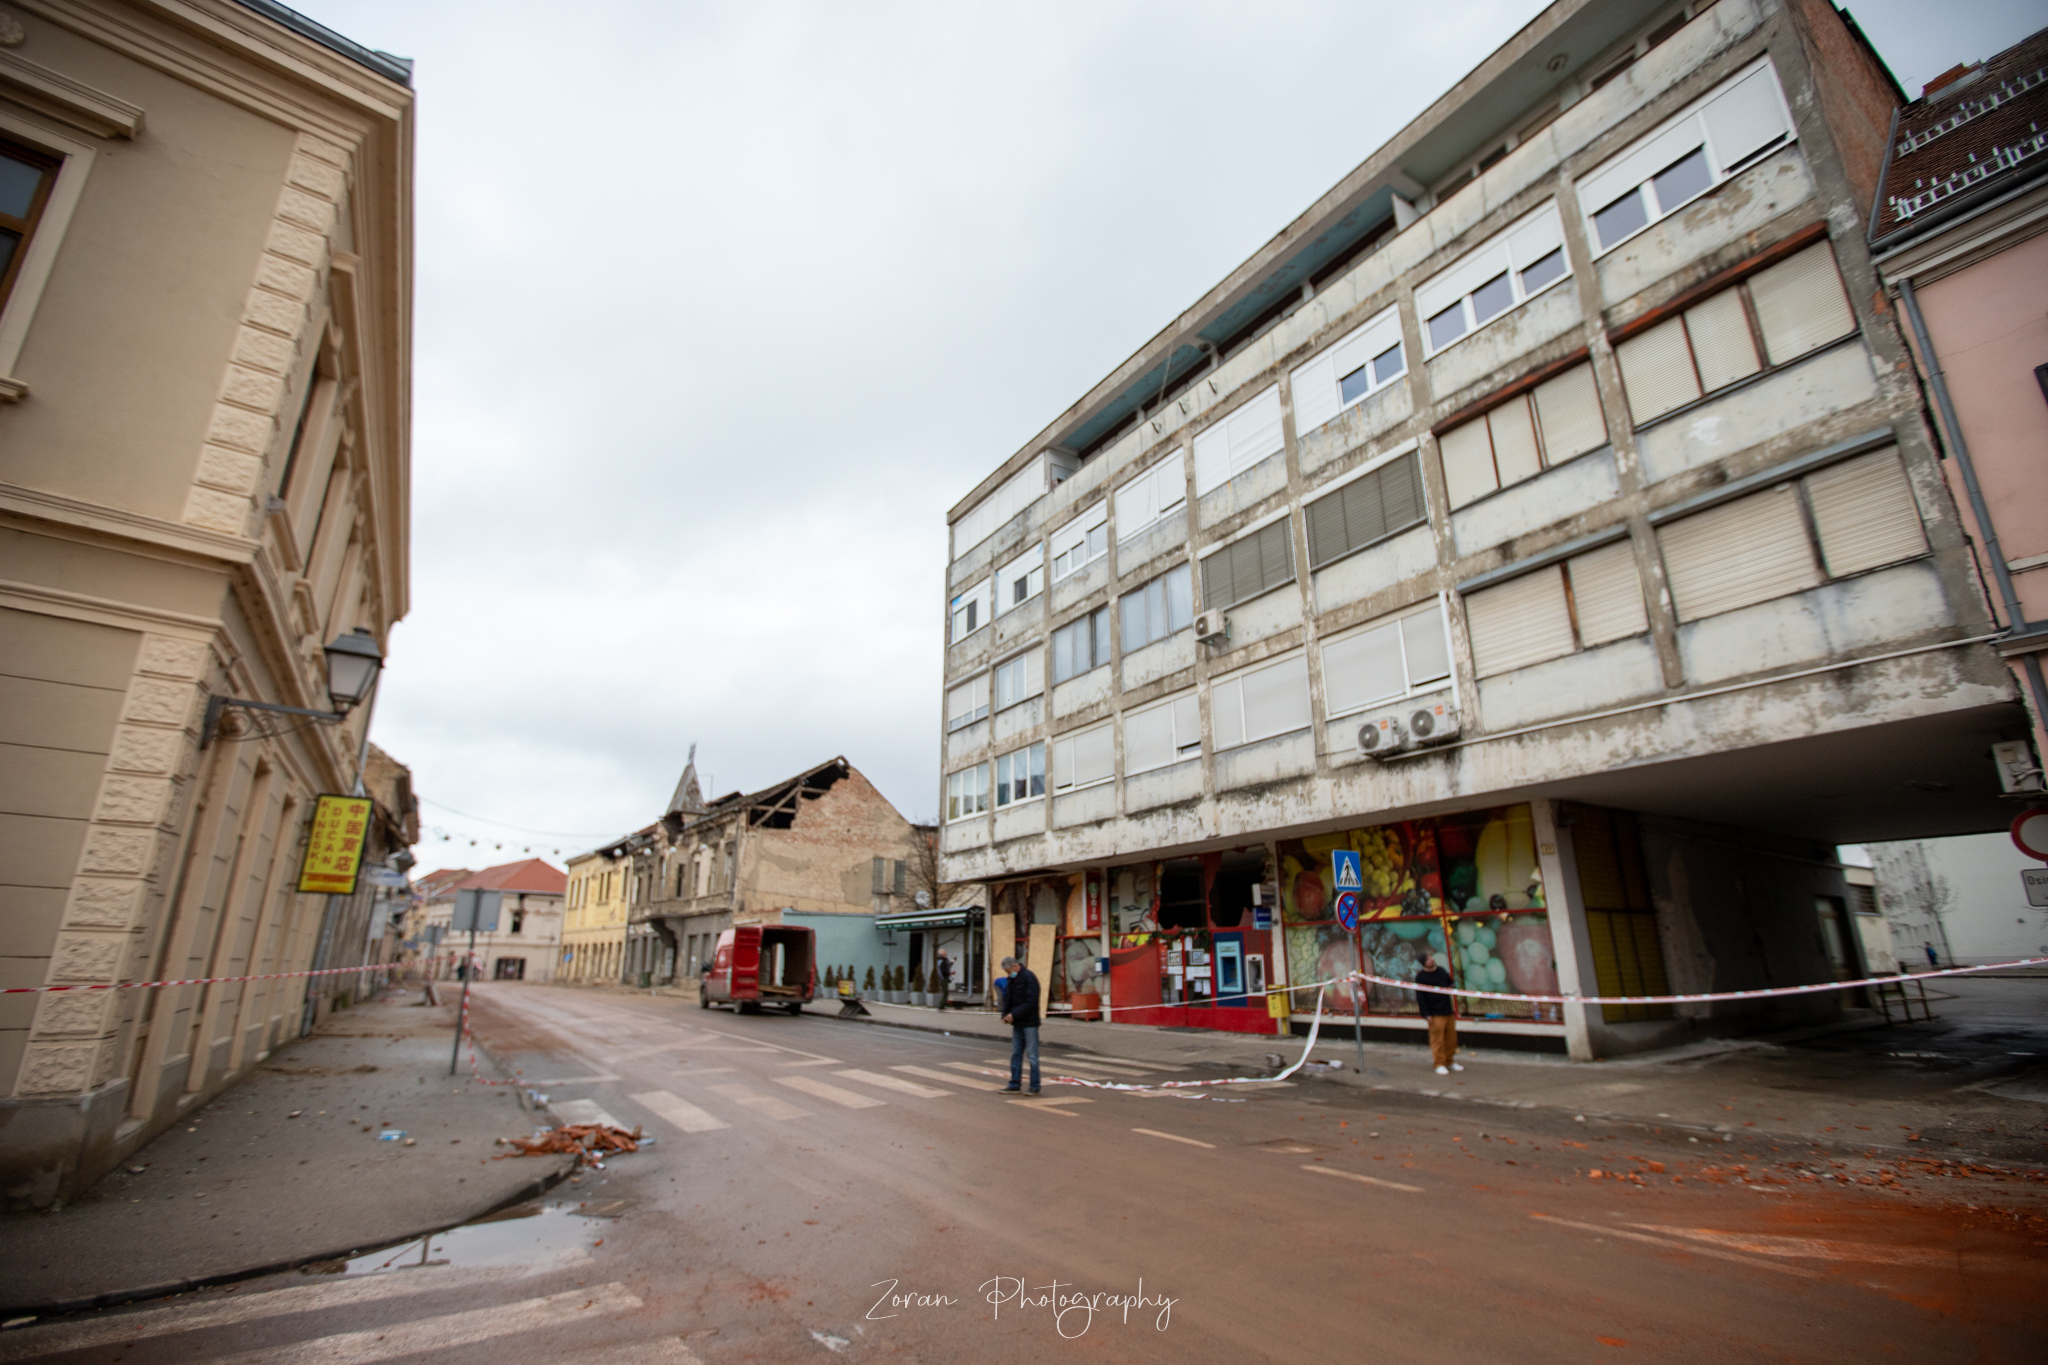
pixel 12 390
pixel 68 101
pixel 125 525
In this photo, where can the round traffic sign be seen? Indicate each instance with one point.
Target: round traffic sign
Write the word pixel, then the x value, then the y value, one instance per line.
pixel 2030 832
pixel 1347 908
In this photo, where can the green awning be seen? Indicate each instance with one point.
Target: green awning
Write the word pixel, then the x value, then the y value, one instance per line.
pixel 957 917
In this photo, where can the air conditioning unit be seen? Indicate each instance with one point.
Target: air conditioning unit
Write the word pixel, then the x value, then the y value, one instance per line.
pixel 1414 725
pixel 1212 625
pixel 1432 720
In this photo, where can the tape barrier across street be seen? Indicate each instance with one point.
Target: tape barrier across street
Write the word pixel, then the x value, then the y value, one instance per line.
pixel 217 980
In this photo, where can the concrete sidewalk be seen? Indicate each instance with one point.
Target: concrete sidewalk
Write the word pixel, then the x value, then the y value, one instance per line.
pixel 1972 1083
pixel 286 1167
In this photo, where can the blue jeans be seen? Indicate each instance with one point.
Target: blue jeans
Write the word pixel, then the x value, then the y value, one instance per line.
pixel 1022 1041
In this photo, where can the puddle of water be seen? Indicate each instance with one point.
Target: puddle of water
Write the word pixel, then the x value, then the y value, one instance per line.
pixel 532 1236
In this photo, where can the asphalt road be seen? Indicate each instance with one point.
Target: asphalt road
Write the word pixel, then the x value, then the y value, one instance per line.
pixel 819 1188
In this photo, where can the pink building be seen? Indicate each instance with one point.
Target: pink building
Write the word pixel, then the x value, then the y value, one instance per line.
pixel 1959 235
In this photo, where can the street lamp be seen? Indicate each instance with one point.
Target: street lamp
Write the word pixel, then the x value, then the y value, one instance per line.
pixel 353 661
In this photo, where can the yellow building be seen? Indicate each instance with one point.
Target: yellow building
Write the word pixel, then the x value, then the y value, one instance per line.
pixel 205 395
pixel 594 922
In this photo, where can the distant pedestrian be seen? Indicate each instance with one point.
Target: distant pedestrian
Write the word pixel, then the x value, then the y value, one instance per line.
pixel 945 970
pixel 1933 958
pixel 1020 1012
pixel 1436 1008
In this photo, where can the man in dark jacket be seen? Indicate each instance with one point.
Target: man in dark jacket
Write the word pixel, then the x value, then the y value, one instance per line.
pixel 1436 1008
pixel 1021 1014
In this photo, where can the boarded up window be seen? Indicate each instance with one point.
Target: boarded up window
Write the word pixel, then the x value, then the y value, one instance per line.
pixel 1369 508
pixel 1621 920
pixel 1746 551
pixel 1249 565
pixel 1865 514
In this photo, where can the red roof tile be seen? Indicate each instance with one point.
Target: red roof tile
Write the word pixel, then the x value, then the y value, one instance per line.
pixel 529 874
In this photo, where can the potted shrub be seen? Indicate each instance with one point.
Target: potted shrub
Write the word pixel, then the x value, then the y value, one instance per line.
pixel 917 986
pixel 892 979
pixel 868 983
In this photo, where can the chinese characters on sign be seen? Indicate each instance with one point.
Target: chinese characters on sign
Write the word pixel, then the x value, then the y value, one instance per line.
pixel 334 847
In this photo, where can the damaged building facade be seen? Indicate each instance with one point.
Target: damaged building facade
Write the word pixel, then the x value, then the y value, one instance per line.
pixel 823 849
pixel 1545 517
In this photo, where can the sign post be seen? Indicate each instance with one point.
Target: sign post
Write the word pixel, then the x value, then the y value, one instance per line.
pixel 1348 875
pixel 474 910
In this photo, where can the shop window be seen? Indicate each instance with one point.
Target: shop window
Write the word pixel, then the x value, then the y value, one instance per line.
pixel 1771 319
pixel 1555 421
pixel 1022 579
pixel 1162 734
pixel 1500 275
pixel 1358 366
pixel 1246 437
pixel 1702 147
pixel 1152 497
pixel 1364 510
pixel 1080 645
pixel 1621 919
pixel 1159 609
pixel 1260 703
pixel 1255 563
pixel 1590 599
pixel 1081 541
pixel 1842 520
pixel 967 703
pixel 1393 657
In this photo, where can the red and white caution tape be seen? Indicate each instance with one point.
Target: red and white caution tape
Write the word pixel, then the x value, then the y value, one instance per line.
pixel 216 980
pixel 1699 998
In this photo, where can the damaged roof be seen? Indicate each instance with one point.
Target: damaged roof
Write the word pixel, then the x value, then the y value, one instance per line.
pixel 775 807
pixel 1964 142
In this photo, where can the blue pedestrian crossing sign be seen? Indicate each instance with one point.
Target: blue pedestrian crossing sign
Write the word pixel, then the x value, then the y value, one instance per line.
pixel 1349 876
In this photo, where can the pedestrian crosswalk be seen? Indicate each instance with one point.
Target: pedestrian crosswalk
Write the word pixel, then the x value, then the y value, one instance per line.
pixel 386 1341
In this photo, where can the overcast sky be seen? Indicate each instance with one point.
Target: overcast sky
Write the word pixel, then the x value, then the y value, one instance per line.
pixel 720 309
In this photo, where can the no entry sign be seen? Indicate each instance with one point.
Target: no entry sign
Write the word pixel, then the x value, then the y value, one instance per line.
pixel 2030 832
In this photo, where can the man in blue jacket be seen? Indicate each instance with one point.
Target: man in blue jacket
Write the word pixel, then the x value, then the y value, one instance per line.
pixel 1021 1014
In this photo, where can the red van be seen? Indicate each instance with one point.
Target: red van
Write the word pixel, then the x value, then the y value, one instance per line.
pixel 769 964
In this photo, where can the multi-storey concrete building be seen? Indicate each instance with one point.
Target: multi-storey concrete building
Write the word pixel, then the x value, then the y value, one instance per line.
pixel 1545 516
pixel 205 403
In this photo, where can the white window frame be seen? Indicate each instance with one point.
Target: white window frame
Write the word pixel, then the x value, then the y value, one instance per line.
pixel 1079 534
pixel 1318 386
pixel 967 793
pixel 1031 758
pixel 1247 435
pixel 1411 685
pixel 1228 691
pixel 1027 568
pixel 1634 169
pixel 1015 494
pixel 1152 497
pixel 1511 251
pixel 1185 746
pixel 970 609
pixel 1165 585
pixel 1030 666
pixel 1066 747
pixel 41 256
pixel 1086 622
pixel 976 689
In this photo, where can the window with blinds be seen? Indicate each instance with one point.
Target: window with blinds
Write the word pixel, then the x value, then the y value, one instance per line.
pixel 1370 507
pixel 1081 541
pixel 1153 496
pixel 1239 441
pixel 1158 609
pixel 1862 516
pixel 1020 678
pixel 1083 759
pixel 1248 566
pixel 1390 658
pixel 1022 579
pixel 967 703
pixel 1358 366
pixel 1621 919
pixel 1553 422
pixel 1162 734
pixel 1080 645
pixel 1590 599
pixel 1792 308
pixel 970 610
pixel 1261 702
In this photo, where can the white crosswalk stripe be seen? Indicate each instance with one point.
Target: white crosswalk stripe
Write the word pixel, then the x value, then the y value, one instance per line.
pixel 847 1099
pixel 441 1333
pixel 679 1111
pixel 584 1111
pixel 896 1083
pixel 932 1075
pixel 977 1070
pixel 760 1103
pixel 30 1343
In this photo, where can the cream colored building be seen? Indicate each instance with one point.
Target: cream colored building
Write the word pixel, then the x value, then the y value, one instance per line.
pixel 594 924
pixel 526 943
pixel 205 398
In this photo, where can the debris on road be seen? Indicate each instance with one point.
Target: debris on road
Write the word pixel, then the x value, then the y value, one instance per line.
pixel 589 1142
